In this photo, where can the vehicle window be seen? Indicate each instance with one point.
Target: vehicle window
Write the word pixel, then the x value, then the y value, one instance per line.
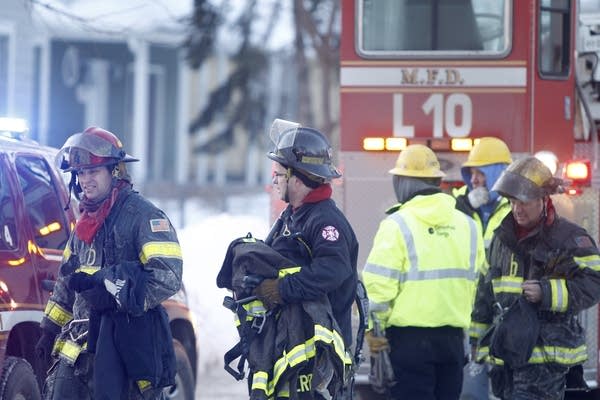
pixel 554 37
pixel 393 28
pixel 42 202
pixel 8 233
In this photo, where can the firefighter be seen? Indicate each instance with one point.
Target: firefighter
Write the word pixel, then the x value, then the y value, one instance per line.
pixel 486 161
pixel 312 232
pixel 551 263
pixel 121 261
pixel 421 277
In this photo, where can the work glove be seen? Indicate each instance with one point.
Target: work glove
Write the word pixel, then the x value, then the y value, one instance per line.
pixel 268 293
pixel 478 197
pixel 44 346
pixel 99 299
pixel 376 343
pixel 80 281
pixel 70 265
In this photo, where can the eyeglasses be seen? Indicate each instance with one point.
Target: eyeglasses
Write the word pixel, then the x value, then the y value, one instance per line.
pixel 279 175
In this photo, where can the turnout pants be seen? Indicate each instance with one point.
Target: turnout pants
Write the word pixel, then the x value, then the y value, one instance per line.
pixel 75 382
pixel 531 382
pixel 69 382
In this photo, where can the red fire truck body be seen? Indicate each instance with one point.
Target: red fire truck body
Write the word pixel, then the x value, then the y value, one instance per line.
pixel 444 73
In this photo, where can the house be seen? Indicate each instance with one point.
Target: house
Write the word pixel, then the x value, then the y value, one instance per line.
pixel 69 64
pixel 125 72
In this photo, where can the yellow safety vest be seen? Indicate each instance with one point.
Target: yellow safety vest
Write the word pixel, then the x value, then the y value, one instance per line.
pixel 501 210
pixel 422 270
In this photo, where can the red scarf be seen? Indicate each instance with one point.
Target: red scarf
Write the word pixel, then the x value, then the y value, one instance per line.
pixel 93 215
pixel 320 193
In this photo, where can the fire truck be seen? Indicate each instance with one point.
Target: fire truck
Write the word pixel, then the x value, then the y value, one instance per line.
pixel 443 73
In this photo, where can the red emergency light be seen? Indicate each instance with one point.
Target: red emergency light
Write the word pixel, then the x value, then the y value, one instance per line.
pixel 578 172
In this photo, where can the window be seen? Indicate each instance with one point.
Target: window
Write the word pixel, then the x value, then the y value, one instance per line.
pixel 554 37
pixel 8 233
pixel 393 28
pixel 42 203
pixel 36 94
pixel 4 57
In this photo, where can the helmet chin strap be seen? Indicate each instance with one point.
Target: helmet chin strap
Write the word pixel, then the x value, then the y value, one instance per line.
pixel 286 197
pixel 288 175
pixel 74 188
pixel 544 209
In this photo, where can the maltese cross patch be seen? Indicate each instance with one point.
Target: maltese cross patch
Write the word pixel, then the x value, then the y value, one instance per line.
pixel 330 233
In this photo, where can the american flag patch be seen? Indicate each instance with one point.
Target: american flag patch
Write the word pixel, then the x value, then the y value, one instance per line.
pixel 583 241
pixel 160 225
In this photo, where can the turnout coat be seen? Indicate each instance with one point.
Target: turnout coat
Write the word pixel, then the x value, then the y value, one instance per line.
pixel 566 261
pixel 136 249
pixel 282 344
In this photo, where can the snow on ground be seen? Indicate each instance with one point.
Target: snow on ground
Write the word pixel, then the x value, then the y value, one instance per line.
pixel 204 241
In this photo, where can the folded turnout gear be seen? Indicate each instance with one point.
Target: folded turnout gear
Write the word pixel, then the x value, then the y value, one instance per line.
pixel 515 333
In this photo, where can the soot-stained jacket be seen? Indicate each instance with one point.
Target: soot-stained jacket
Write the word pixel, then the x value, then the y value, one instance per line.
pixel 285 345
pixel 566 261
pixel 319 238
pixel 135 234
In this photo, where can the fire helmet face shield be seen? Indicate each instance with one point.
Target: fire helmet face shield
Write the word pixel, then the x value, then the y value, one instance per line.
pixel 527 179
pixel 93 147
pixel 304 149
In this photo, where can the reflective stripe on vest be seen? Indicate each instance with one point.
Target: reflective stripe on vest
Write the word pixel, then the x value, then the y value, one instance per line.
pixel 300 353
pixel 57 314
pixel 413 273
pixel 507 284
pixel 88 269
pixel 559 295
pixel 591 261
pixel 160 249
pixel 144 385
pixel 68 349
pixel 477 329
pixel 501 210
pixel 543 355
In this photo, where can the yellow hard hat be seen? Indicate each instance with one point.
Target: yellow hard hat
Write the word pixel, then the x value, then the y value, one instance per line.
pixel 417 161
pixel 527 179
pixel 488 150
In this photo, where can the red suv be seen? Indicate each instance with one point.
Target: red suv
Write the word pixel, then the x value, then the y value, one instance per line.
pixel 34 228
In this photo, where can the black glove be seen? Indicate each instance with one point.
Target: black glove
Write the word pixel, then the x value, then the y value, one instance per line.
pixel 43 347
pixel 251 281
pixel 99 299
pixel 268 293
pixel 70 265
pixel 80 281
